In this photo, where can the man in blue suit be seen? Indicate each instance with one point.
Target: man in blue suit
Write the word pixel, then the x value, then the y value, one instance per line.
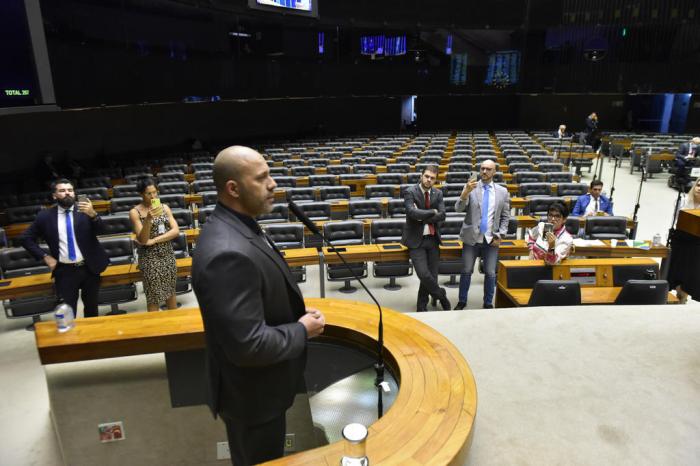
pixel 76 257
pixel 593 203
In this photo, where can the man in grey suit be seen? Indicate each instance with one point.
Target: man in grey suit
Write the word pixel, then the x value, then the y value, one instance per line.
pixel 487 208
pixel 255 322
pixel 425 208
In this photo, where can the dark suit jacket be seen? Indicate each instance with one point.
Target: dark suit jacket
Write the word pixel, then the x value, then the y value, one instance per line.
pixel 683 151
pixel 250 305
pixel 45 226
pixel 417 216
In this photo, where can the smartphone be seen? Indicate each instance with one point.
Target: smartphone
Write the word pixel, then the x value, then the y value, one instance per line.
pixel 155 203
pixel 548 227
pixel 473 177
pixel 82 198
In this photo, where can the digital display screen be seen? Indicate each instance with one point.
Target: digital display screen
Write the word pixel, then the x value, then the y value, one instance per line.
pixel 303 5
pixel 299 7
pixel 18 81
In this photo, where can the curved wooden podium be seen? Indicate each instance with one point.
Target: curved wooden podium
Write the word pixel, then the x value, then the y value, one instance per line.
pixel 430 422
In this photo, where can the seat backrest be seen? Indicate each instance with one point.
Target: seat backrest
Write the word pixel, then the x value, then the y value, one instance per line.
pixel 323 180
pixel 559 177
pixel 572 189
pixel 199 186
pixel 457 177
pixel 344 232
pixel 204 213
pixel 637 292
pixel 96 182
pixel 451 227
pixel 375 160
pixel 396 208
pixel 338 169
pixel 119 249
pixel 203 175
pixel 279 171
pixel 164 177
pixel 606 227
pixel 201 166
pixel 364 168
pixel 279 213
pixel 22 214
pixel 540 205
pixel 125 190
pixel 390 178
pixel 123 204
pixel 452 190
pixel 316 210
pixel 116 224
pixel 556 293
pixel 15 262
pixel 174 201
pixel 317 162
pixel 528 177
pixel 373 191
pixel 387 230
pixel 135 178
pixel 398 168
pixel 548 167
pixel 301 194
pixel 174 187
pixel 520 167
pixel 173 167
pixel 365 208
pixel 286 235
pixel 180 247
pixel 303 171
pixel 334 192
pixel 622 273
pixel 183 217
pixel 534 189
pixel 285 181
pixel 94 194
pixel 32 199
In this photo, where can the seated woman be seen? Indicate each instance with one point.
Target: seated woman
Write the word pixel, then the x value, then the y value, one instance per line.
pixel 554 246
pixel 155 228
pixel 691 202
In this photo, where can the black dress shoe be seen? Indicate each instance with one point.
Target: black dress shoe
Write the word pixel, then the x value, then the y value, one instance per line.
pixel 488 306
pixel 460 305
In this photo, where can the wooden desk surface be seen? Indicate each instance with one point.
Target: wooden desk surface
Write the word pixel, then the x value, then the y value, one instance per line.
pixel 689 221
pixel 431 421
pixel 589 295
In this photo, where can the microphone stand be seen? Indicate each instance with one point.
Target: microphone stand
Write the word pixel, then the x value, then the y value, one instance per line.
pixel 379 365
pixel 568 160
pixel 636 206
pixel 612 188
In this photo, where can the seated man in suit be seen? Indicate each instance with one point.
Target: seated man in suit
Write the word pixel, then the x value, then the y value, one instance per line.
pixel 76 257
pixel 593 203
pixel 687 153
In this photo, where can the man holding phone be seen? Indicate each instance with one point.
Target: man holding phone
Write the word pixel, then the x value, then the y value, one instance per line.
pixel 487 211
pixel 76 257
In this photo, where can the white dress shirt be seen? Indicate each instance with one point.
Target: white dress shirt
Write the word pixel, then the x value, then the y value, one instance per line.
pixel 63 237
pixel 426 228
pixel 593 206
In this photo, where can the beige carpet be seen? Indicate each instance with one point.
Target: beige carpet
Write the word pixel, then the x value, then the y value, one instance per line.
pixel 586 386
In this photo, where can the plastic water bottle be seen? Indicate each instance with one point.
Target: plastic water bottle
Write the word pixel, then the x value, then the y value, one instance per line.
pixel 65 317
pixel 656 240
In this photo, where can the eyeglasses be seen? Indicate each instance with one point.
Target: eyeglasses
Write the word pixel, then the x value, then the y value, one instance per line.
pixel 554 215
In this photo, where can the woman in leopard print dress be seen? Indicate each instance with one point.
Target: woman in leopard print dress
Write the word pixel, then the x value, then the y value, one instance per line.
pixel 155 228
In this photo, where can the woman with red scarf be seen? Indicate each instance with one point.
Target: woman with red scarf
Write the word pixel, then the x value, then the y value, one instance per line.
pixel 551 246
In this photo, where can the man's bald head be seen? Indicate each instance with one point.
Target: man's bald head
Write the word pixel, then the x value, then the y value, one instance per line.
pixel 488 164
pixel 696 141
pixel 232 163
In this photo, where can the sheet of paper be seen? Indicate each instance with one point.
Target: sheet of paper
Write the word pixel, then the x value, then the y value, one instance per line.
pixel 580 242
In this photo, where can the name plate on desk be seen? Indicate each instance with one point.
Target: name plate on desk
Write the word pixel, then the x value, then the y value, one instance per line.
pixel 583 275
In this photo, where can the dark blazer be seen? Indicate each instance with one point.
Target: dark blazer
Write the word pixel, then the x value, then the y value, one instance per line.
pixel 250 305
pixel 45 226
pixel 417 215
pixel 683 151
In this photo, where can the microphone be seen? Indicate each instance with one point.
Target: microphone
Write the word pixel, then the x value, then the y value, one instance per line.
pixel 379 365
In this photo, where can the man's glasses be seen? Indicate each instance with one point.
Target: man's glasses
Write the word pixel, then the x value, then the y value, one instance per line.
pixel 554 215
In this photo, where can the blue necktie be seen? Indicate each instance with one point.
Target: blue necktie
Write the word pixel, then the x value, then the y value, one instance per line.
pixel 69 237
pixel 485 210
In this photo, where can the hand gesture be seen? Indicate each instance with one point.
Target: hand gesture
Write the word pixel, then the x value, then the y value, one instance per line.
pixel 468 188
pixel 551 239
pixel 50 261
pixel 313 321
pixel 86 208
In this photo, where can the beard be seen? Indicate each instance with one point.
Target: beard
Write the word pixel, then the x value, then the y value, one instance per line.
pixel 66 202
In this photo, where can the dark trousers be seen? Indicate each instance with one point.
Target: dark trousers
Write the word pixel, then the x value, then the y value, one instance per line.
pixel 426 258
pixel 70 280
pixel 253 444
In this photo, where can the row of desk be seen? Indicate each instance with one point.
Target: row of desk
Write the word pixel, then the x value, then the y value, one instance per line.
pixel 39 284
